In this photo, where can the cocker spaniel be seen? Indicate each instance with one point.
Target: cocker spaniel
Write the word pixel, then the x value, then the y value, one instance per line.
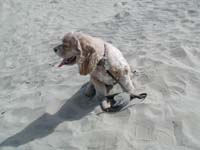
pixel 96 57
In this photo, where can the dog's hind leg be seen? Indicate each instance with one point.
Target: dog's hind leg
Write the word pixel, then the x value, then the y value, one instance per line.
pixel 127 85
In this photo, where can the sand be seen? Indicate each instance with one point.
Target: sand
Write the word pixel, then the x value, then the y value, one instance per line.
pixel 42 107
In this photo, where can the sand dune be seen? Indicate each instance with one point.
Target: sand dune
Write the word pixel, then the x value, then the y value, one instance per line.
pixel 43 107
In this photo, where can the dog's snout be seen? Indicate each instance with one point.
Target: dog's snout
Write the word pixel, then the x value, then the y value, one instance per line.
pixel 55 49
pixel 58 48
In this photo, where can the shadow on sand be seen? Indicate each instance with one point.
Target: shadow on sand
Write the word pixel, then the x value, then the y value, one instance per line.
pixel 75 108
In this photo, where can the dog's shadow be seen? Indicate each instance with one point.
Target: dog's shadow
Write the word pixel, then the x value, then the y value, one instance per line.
pixel 75 108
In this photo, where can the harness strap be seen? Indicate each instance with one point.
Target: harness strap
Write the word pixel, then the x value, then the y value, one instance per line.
pixel 106 65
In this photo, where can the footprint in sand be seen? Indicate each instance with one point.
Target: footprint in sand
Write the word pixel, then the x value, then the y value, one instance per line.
pixel 179 53
pixel 144 131
pixel 6 82
pixel 120 4
pixel 193 13
pixel 122 15
pixel 188 24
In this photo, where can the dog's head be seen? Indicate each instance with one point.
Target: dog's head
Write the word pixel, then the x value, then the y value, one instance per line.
pixel 74 50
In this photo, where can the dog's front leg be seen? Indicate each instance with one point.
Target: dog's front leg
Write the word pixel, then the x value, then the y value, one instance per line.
pixel 100 89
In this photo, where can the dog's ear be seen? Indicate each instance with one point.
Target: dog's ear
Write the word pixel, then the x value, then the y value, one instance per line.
pixel 75 43
pixel 88 60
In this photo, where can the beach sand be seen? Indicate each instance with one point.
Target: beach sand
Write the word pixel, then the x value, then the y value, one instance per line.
pixel 42 107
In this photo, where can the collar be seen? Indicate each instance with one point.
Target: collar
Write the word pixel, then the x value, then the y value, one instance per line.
pixel 103 61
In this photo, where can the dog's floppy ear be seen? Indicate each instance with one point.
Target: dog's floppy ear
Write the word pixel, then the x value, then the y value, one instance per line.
pixel 75 43
pixel 88 60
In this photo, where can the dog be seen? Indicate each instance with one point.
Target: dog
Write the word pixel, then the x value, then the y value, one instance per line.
pixel 95 57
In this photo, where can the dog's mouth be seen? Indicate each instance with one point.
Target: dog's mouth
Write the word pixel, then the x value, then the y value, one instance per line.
pixel 68 61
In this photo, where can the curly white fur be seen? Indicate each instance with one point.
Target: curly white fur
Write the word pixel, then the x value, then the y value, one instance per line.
pixel 89 51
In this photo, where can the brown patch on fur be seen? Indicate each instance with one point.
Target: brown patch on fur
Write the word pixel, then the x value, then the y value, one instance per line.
pixel 88 60
pixel 88 55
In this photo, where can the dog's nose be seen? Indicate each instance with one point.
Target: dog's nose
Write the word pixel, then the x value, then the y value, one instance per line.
pixel 55 49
